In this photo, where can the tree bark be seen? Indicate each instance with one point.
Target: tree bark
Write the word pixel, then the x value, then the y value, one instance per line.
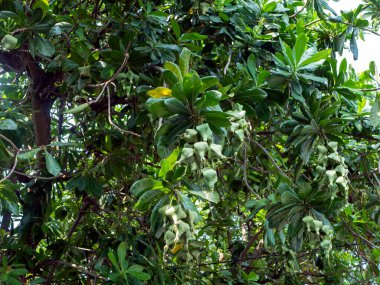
pixel 37 200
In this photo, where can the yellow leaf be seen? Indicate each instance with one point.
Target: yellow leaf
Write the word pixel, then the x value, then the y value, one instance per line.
pixel 177 248
pixel 42 4
pixel 160 92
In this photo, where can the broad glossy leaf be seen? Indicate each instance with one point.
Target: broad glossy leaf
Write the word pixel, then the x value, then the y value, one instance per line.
pixel 170 78
pixel 299 47
pixel 217 119
pixel 354 44
pixel 175 69
pixel 8 124
pixel 176 107
pixel 7 14
pixel 287 53
pixel 158 108
pixel 176 28
pixel 9 42
pixel 141 186
pixel 192 86
pixel 307 60
pixel 251 65
pixel 207 82
pixel 211 196
pixel 136 272
pixel 179 93
pixel 148 198
pixel 27 155
pixel 189 205
pixel 210 98
pixel 184 61
pixel 52 164
pixel 192 37
pixel 122 253
pixel 375 113
pixel 77 109
pixel 8 197
pixel 44 47
pixel 169 162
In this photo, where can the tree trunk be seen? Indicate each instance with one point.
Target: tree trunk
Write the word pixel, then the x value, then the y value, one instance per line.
pixel 37 199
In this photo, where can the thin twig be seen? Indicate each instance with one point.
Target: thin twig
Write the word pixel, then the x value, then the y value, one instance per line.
pixel 245 174
pixel 243 255
pixel 359 236
pixel 344 23
pixel 15 160
pixel 9 141
pixel 109 81
pixel 361 28
pixel 228 62
pixel 110 117
pixel 35 176
pixel 270 158
pixel 81 269
pixel 370 89
pixel 303 8
pixel 12 169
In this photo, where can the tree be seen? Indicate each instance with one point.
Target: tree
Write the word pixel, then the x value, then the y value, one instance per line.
pixel 187 142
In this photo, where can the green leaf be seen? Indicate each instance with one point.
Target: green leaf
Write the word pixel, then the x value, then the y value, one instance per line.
pixel 179 93
pixel 141 186
pixel 42 4
pixel 184 61
pixel 19 271
pixel 253 276
pixel 168 163
pixel 211 98
pixel 287 53
pixel 7 14
pixel 217 119
pixel 176 28
pixel 176 107
pixel 9 42
pixel 207 82
pixel 28 154
pixel 8 197
pixel 174 68
pixel 77 109
pixel 299 47
pixel 52 165
pixel 147 199
pixel 251 65
pixel 38 280
pixel 65 144
pixel 112 257
pixel 375 113
pixel 313 78
pixel 307 60
pixel 192 85
pixel 170 78
pixel 158 108
pixel 44 47
pixel 93 186
pixel 192 37
pixel 189 205
pixel 354 44
pixel 8 124
pixel 211 196
pixel 250 95
pixel 122 253
pixel 136 272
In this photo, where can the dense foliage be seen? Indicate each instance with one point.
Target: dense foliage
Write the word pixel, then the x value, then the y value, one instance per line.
pixel 187 142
